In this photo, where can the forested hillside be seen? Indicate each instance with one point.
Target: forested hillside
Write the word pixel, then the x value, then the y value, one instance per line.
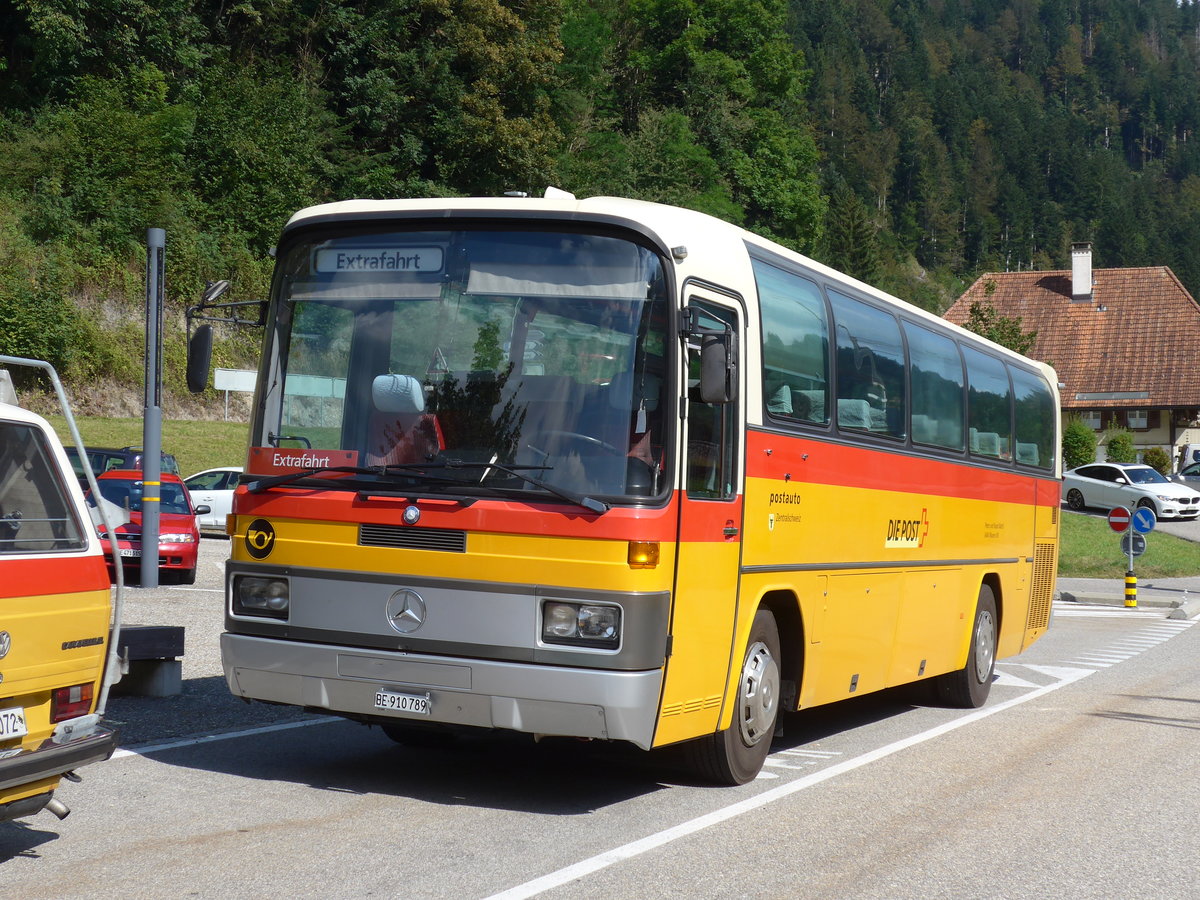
pixel 914 143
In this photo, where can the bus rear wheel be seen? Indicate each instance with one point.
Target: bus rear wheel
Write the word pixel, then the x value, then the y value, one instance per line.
pixel 735 755
pixel 968 688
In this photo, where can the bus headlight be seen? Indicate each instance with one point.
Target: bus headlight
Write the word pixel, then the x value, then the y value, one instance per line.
pixel 581 624
pixel 254 595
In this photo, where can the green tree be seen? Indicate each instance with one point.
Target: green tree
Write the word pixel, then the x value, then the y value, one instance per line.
pixel 1078 443
pixel 1119 446
pixel 456 95
pixel 983 319
pixel 719 85
pixel 850 236
pixel 100 170
pixel 265 146
pixel 48 46
pixel 1158 459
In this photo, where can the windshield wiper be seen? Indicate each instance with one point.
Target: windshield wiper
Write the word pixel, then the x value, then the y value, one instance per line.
pixel 590 503
pixel 258 485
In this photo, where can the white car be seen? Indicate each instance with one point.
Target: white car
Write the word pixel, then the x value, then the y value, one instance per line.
pixel 213 488
pixel 1188 475
pixel 1108 485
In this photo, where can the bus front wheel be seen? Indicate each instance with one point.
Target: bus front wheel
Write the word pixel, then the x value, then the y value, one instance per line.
pixel 968 687
pixel 735 755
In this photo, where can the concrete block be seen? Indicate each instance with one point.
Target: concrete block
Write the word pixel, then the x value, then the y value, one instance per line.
pixel 151 678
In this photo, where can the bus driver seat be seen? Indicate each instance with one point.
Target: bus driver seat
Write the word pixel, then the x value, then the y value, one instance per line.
pixel 400 430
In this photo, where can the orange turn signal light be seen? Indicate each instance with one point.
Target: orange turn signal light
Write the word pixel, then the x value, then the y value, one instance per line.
pixel 643 554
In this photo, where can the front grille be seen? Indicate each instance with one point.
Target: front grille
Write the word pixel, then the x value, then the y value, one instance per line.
pixel 1041 595
pixel 406 538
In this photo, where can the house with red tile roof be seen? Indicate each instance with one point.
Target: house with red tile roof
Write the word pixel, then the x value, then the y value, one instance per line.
pixel 1125 343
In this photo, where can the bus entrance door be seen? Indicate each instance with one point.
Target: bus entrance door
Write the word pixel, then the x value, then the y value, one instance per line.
pixel 704 610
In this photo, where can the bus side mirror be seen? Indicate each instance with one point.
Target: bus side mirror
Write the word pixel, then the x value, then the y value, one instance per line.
pixel 717 373
pixel 199 358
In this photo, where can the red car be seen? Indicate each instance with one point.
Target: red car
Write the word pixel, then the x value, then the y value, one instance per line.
pixel 178 536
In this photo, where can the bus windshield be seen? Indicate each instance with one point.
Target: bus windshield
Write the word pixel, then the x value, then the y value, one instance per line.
pixel 446 351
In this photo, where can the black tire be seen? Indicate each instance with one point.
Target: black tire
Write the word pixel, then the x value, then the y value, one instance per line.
pixel 187 576
pixel 736 755
pixel 1147 503
pixel 968 688
pixel 1075 500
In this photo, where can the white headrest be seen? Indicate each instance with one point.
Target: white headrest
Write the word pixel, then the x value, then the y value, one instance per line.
pixel 397 394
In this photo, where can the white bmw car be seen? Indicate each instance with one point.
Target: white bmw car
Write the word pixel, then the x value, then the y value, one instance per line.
pixel 1107 485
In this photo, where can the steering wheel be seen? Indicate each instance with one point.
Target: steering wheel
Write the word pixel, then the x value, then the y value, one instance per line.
pixel 568 437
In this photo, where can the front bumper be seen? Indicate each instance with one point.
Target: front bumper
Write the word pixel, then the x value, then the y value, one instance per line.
pixel 538 699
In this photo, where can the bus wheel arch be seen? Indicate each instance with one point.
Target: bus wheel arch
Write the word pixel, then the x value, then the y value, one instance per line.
pixel 968 687
pixel 992 580
pixel 785 607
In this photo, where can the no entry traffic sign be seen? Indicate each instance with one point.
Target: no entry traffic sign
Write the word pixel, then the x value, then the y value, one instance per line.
pixel 1118 519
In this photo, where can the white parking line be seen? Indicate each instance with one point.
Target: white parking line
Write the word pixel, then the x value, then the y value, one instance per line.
pixel 225 736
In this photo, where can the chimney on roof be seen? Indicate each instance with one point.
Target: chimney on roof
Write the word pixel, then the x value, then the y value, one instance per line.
pixel 1081 273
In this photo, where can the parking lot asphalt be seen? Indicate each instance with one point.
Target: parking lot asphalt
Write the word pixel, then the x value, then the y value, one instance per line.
pixel 205 705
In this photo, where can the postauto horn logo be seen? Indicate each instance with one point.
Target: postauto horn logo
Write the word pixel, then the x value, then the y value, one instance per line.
pixel 260 539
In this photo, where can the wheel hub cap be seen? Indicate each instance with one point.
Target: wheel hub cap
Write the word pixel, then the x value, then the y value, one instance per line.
pixel 759 694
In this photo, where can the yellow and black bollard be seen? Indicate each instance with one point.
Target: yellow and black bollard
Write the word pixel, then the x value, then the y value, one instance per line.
pixel 1130 590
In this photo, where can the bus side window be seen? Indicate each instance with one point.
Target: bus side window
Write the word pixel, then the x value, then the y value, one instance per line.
pixel 870 368
pixel 938 407
pixel 989 406
pixel 795 348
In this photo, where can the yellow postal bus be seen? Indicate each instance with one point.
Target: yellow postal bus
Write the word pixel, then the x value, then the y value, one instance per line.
pixel 618 470
pixel 57 622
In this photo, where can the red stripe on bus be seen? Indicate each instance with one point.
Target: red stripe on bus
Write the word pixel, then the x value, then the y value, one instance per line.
pixel 486 515
pixel 54 575
pixel 799 460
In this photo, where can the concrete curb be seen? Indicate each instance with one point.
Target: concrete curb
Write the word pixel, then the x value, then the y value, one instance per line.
pixel 1180 608
pixel 1187 609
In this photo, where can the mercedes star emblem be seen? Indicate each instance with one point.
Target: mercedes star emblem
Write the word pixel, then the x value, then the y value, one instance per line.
pixel 406 611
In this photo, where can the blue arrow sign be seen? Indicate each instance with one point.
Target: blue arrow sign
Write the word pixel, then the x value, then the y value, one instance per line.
pixel 1144 520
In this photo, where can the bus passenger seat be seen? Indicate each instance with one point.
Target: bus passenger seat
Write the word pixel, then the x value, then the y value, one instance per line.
pixel 987 443
pixel 780 401
pixel 924 429
pixel 1027 453
pixel 853 413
